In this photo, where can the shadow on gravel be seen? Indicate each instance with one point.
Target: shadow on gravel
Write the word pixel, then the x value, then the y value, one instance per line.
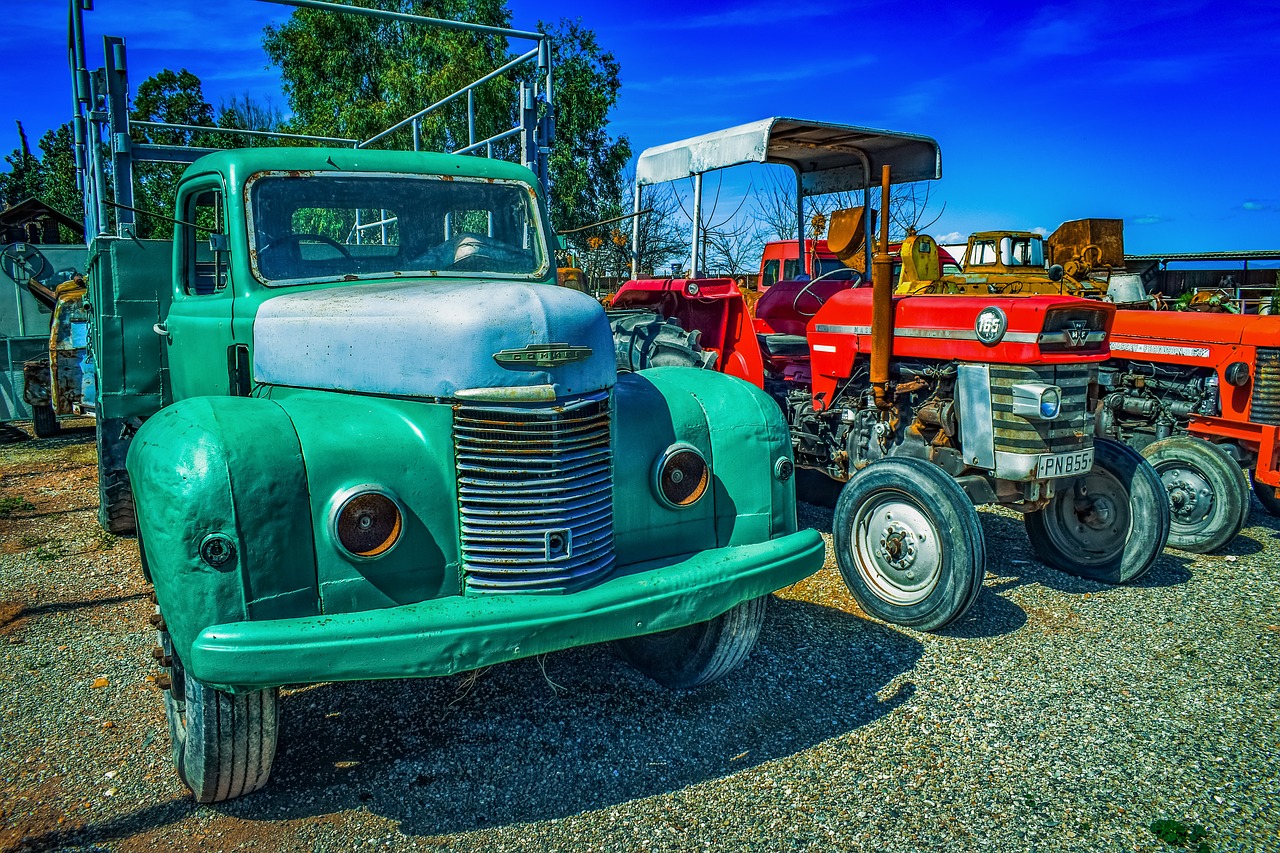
pixel 537 740
pixel 1010 558
pixel 24 611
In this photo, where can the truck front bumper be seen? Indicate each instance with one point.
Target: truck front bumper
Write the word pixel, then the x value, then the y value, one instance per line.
pixel 460 633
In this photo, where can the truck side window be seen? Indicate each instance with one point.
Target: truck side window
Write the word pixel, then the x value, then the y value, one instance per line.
pixel 790 269
pixel 983 252
pixel 205 269
pixel 770 272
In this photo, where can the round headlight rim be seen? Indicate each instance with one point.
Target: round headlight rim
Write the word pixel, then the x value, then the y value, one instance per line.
pixel 664 458
pixel 1056 393
pixel 340 501
pixel 1234 370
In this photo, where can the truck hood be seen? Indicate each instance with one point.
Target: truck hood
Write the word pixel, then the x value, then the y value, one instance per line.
pixel 469 339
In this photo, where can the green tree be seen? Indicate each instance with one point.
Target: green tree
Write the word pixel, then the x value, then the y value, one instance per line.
pixel 22 180
pixel 58 187
pixel 173 97
pixel 586 163
pixel 384 71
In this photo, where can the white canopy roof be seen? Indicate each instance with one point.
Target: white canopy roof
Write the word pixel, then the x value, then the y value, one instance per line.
pixel 829 157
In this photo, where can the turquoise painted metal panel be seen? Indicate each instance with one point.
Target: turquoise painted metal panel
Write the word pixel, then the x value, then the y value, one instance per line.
pixel 230 468
pixel 404 447
pixel 129 288
pixel 748 438
pixel 459 633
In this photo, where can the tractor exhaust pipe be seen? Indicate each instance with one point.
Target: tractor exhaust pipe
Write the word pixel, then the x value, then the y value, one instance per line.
pixel 882 302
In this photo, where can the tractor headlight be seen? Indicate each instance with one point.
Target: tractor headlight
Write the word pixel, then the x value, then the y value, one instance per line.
pixel 681 476
pixel 1036 400
pixel 1237 373
pixel 367 522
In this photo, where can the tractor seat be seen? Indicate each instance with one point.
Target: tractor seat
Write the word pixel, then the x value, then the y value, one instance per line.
pixel 783 346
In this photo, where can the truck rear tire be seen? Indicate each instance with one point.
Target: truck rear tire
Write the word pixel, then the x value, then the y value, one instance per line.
pixel 909 544
pixel 1266 496
pixel 44 421
pixel 223 743
pixel 643 339
pixel 115 495
pixel 1109 525
pixel 1208 493
pixel 698 654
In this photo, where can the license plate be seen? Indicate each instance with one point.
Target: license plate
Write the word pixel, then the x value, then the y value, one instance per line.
pixel 1064 464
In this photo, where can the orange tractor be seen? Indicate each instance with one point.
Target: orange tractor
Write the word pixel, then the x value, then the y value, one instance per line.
pixel 1198 394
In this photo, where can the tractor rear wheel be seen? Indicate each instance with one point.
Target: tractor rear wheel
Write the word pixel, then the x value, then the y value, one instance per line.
pixel 1266 495
pixel 909 544
pixel 643 339
pixel 1108 525
pixel 698 654
pixel 1208 493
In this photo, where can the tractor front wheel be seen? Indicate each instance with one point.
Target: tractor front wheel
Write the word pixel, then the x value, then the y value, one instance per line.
pixel 1208 493
pixel 909 544
pixel 642 339
pixel 1108 525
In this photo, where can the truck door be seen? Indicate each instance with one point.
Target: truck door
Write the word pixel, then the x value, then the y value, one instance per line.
pixel 201 347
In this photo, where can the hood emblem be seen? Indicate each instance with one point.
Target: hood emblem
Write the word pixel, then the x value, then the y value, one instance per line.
pixel 1077 332
pixel 541 355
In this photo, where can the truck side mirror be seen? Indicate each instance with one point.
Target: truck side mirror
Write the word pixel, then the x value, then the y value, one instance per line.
pixel 562 242
pixel 1055 272
pixel 218 243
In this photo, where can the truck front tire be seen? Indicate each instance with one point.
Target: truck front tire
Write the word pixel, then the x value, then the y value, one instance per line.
pixel 1208 493
pixel 909 544
pixel 223 743
pixel 698 654
pixel 116 512
pixel 1108 525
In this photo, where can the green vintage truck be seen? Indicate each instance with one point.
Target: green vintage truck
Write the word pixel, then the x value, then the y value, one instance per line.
pixel 413 455
pixel 367 436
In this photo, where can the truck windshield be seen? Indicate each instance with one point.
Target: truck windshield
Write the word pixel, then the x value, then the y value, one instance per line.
pixel 323 226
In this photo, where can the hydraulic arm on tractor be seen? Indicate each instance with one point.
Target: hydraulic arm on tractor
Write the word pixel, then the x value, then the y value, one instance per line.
pixel 924 405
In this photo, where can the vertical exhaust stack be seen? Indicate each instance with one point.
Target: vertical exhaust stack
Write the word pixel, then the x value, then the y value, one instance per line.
pixel 882 302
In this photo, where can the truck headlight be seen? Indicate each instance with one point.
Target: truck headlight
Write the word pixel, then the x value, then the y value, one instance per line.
pixel 1036 400
pixel 681 476
pixel 367 522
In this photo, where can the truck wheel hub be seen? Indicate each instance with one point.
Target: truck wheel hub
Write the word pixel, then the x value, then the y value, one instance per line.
pixel 897 550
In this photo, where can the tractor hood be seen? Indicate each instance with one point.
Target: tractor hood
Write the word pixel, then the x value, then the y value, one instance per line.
pixel 449 339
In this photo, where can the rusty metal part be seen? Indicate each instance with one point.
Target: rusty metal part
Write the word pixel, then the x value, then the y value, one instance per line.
pixel 1084 245
pixel 847 233
pixel 37 383
pixel 164 682
pixel 882 304
pixel 157 622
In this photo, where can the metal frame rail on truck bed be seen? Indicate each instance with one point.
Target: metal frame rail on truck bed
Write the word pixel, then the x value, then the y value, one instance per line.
pixel 925 405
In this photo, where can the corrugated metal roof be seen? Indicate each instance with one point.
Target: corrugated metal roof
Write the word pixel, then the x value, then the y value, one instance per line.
pixel 829 157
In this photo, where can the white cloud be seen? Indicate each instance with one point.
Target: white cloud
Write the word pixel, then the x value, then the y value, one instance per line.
pixel 1041 230
pixel 1253 205
pixel 951 239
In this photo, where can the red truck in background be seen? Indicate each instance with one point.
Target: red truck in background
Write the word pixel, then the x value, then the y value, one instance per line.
pixel 781 262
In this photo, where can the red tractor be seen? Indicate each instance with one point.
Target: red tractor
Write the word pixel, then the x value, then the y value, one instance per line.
pixel 1198 394
pixel 924 406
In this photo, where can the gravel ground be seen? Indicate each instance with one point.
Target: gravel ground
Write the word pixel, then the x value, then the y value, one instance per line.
pixel 1060 715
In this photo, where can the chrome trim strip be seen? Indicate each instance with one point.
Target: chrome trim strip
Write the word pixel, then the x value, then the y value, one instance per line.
pixel 1160 349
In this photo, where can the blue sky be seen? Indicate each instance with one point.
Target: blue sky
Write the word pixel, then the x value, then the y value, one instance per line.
pixel 1165 114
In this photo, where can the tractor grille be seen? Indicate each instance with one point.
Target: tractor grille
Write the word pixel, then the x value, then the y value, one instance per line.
pixel 1264 408
pixel 535 495
pixel 1071 429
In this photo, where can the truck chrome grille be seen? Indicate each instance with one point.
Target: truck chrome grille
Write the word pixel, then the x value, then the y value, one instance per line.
pixel 1071 430
pixel 535 495
pixel 1264 407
